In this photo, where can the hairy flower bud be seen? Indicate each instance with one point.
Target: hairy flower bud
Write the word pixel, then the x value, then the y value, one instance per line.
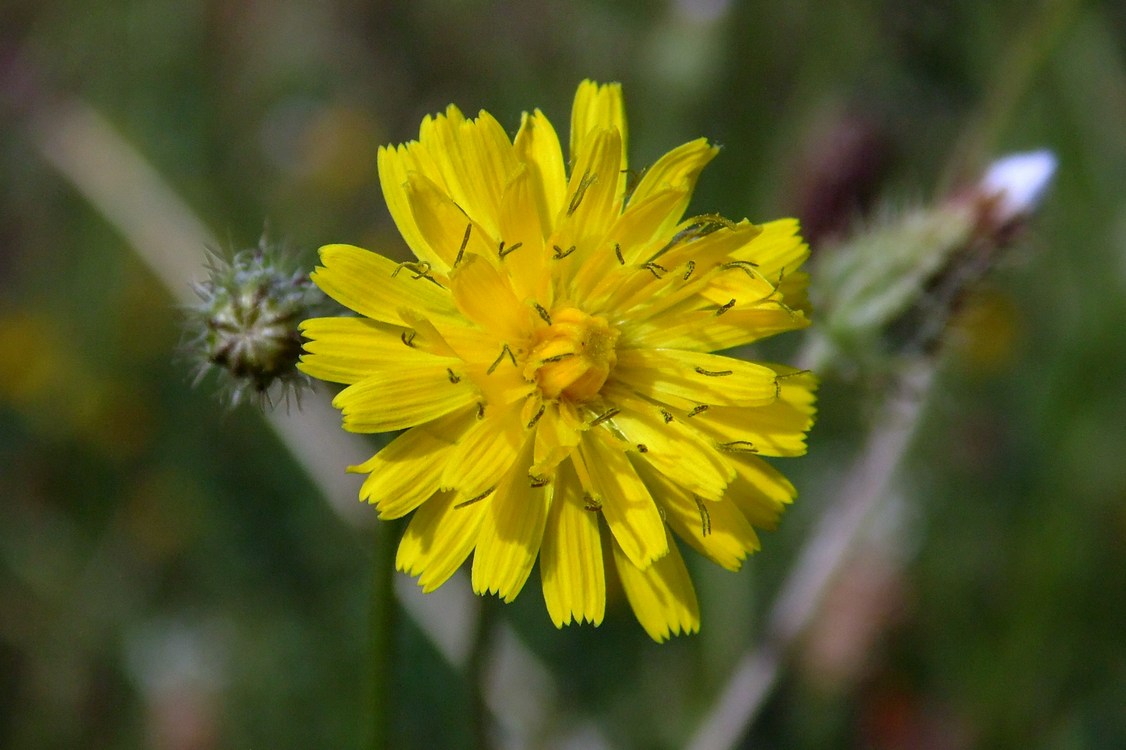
pixel 892 289
pixel 246 323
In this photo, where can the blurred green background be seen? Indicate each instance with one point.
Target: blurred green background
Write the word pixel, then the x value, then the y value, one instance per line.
pixel 169 578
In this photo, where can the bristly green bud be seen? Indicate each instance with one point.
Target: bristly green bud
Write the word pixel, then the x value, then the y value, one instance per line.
pixel 245 325
pixel 890 291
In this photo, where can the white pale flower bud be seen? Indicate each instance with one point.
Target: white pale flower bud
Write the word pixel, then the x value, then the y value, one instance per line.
pixel 1018 183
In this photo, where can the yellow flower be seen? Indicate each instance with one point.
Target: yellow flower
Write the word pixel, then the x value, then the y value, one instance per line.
pixel 548 356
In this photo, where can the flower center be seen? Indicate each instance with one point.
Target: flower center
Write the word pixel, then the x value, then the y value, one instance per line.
pixel 573 356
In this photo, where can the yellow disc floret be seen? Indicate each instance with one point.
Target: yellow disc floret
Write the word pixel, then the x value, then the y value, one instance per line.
pixel 573 356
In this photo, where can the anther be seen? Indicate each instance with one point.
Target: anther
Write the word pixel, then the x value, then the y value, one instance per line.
pixel 633 178
pixel 794 374
pixel 503 352
pixel 697 226
pixel 705 516
pixel 743 265
pixel 480 410
pixel 502 252
pixel 724 308
pixel 666 416
pixel 642 448
pixel 591 503
pixel 408 340
pixel 708 223
pixel 738 446
pixel 607 415
pixel 538 481
pixel 657 270
pixel 691 267
pixel 560 253
pixel 532 422
pixel 618 252
pixel 455 379
pixel 464 244
pixel 557 358
pixel 698 410
pixel 714 373
pixel 420 270
pixel 477 498
pixel 585 182
pixel 543 312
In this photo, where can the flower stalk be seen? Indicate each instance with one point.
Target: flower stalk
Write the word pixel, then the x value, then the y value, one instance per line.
pixel 383 628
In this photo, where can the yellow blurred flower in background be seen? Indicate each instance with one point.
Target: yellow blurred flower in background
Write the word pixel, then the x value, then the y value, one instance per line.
pixel 549 356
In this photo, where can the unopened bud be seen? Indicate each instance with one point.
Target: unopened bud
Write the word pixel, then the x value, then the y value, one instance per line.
pixel 246 323
pixel 1017 183
pixel 891 290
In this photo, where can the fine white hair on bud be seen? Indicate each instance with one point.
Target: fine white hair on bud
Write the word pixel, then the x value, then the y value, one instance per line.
pixel 245 325
pixel 1018 183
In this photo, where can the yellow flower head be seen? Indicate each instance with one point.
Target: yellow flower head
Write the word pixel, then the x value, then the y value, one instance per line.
pixel 548 356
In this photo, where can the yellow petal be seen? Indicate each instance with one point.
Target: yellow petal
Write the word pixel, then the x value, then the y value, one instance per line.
pixel 661 595
pixel 485 296
pixel 710 242
pixel 629 238
pixel 502 385
pixel 440 138
pixel 444 225
pixel 377 287
pixel 537 147
pixel 613 485
pixel 486 363
pixel 483 454
pixel 395 164
pixel 558 432
pixel 760 491
pixel 655 294
pixel 719 530
pixel 672 446
pixel 347 350
pixel 685 379
pixel 594 196
pixel 522 256
pixel 571 567
pixel 677 170
pixel 405 395
pixel 456 337
pixel 406 473
pixel 597 107
pixel 510 534
pixel 743 284
pixel 474 159
pixel 794 288
pixel 438 539
pixel 777 429
pixel 704 330
pixel 778 250
pixel 490 162
pixel 645 221
pixel 676 272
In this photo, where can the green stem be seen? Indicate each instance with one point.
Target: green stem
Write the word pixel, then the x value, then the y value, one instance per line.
pixel 384 617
